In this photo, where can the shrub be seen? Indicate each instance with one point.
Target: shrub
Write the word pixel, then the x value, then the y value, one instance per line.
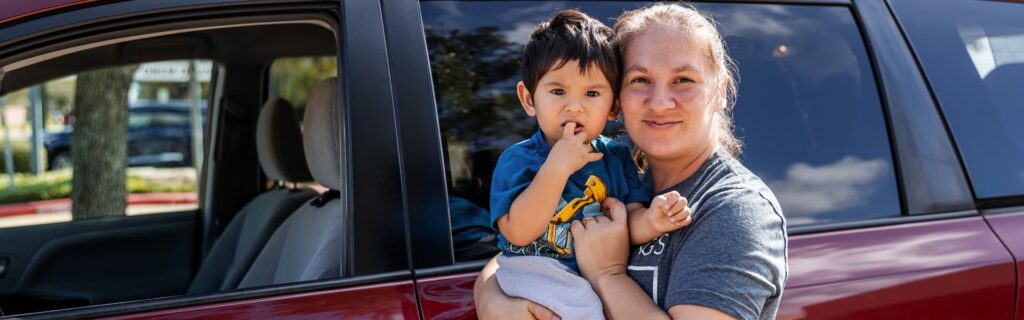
pixel 20 152
pixel 57 184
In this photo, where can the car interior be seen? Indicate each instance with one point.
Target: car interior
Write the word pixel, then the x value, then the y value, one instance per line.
pixel 245 234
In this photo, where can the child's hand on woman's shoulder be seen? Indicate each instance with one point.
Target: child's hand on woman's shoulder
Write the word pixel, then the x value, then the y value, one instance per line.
pixel 668 212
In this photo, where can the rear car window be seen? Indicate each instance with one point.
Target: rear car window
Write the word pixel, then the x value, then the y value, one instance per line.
pixel 808 111
pixel 972 53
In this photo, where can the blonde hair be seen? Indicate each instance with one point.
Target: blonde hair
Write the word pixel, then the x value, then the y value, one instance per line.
pixel 701 30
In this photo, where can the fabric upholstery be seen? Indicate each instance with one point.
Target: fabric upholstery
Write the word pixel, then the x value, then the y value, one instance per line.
pixel 279 143
pixel 308 245
pixel 322 134
pixel 236 249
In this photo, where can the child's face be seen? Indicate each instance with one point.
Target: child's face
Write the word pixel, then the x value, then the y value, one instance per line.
pixel 565 95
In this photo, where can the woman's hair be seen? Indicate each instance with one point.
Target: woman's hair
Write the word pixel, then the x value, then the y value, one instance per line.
pixel 702 31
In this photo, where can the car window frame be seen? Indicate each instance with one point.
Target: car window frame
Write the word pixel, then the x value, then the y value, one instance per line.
pixel 874 22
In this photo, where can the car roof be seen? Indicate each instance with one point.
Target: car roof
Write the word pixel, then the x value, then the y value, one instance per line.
pixel 19 9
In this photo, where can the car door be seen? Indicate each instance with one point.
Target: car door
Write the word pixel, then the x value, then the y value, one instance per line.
pixel 374 279
pixel 96 232
pixel 835 118
pixel 969 53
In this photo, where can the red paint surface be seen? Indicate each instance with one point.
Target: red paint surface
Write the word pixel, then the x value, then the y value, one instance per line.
pixel 951 269
pixel 448 297
pixel 11 10
pixel 380 301
pixel 1010 228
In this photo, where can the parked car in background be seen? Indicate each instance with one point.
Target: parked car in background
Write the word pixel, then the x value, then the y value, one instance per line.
pixel 159 135
pixel 888 129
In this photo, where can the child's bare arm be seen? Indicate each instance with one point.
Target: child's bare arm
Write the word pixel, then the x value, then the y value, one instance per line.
pixel 531 211
pixel 668 212
pixel 640 230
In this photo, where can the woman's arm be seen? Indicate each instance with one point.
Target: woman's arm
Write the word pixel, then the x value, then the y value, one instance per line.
pixel 492 303
pixel 602 253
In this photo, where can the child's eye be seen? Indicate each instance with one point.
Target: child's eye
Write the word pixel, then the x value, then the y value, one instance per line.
pixel 593 93
pixel 558 92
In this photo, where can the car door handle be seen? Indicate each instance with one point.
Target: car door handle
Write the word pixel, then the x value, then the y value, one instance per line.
pixel 3 266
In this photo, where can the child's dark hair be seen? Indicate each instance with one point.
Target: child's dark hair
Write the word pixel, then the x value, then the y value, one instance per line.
pixel 570 35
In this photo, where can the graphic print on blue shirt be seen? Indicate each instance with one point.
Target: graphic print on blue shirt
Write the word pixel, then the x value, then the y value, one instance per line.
pixel 615 175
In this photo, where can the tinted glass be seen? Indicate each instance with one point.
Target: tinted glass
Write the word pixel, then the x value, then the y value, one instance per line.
pixel 108 140
pixel 808 109
pixel 973 56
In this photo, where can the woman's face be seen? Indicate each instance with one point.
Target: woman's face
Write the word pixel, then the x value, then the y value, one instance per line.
pixel 665 95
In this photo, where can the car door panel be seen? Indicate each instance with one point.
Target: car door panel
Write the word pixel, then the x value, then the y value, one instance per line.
pixel 96 261
pixel 1009 226
pixel 392 300
pixel 448 297
pixel 927 270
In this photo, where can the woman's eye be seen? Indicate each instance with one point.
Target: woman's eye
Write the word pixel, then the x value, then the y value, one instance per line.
pixel 639 80
pixel 593 93
pixel 684 80
pixel 558 92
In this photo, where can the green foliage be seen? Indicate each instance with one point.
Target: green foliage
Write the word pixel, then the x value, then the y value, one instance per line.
pixel 293 78
pixel 27 187
pixel 475 75
pixel 21 156
pixel 57 185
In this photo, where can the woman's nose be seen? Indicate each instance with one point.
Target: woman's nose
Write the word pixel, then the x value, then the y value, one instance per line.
pixel 661 99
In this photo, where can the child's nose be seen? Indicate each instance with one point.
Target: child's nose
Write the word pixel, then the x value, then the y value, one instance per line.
pixel 573 106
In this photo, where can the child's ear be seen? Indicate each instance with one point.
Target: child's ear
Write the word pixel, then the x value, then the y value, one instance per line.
pixel 526 99
pixel 614 114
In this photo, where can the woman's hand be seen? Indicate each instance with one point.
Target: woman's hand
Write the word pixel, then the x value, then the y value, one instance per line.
pixel 602 244
pixel 492 303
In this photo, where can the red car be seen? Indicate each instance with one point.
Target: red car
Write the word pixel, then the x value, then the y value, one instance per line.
pixel 888 129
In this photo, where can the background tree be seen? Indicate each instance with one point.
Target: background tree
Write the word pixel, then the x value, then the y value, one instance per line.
pixel 99 151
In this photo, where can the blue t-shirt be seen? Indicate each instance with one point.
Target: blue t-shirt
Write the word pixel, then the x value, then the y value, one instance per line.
pixel 615 175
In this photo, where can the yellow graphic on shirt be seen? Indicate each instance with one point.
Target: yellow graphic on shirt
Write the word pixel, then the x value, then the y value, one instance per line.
pixel 595 192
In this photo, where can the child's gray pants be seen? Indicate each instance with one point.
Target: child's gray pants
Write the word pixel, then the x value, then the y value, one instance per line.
pixel 549 283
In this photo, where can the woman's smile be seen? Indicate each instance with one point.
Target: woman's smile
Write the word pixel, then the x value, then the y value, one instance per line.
pixel 662 124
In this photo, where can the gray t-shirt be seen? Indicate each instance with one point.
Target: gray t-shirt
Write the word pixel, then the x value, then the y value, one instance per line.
pixel 731 258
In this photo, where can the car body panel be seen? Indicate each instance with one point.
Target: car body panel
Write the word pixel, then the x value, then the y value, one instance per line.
pixel 394 300
pixel 448 297
pixel 925 270
pixel 17 9
pixel 1010 228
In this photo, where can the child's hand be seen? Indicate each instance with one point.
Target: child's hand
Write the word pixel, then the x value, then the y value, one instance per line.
pixel 571 152
pixel 668 212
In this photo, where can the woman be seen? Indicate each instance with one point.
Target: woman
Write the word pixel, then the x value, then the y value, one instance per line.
pixel 730 263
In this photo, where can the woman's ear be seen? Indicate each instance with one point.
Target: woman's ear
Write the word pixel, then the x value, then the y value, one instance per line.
pixel 526 99
pixel 723 99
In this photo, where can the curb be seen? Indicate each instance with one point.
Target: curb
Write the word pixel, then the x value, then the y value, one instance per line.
pixel 56 205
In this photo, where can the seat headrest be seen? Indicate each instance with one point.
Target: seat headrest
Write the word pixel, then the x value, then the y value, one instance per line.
pixel 279 142
pixel 323 133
